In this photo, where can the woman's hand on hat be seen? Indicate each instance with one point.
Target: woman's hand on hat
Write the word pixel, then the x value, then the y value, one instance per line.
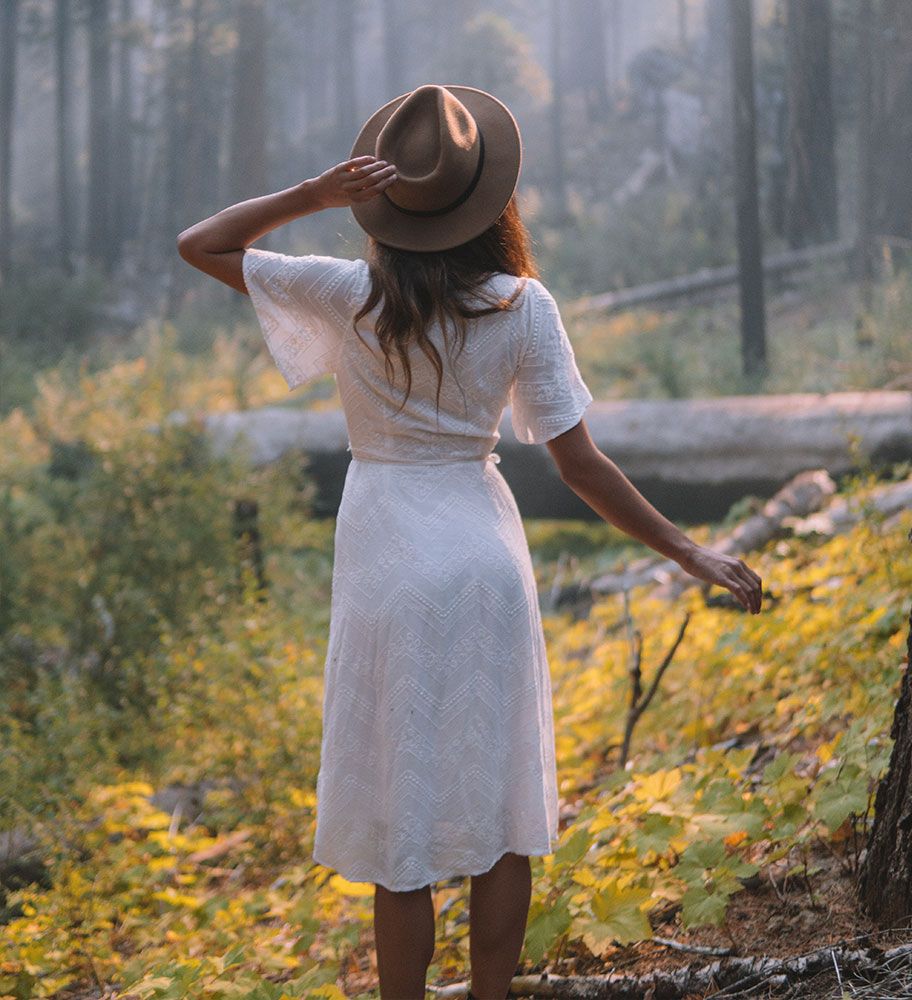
pixel 354 180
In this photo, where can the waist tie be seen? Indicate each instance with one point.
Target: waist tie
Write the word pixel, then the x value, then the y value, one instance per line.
pixel 490 457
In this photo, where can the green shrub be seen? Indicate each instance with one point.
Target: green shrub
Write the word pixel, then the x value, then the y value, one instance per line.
pixel 107 548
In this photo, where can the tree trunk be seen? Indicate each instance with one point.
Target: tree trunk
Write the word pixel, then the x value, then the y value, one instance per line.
pixel 99 242
pixel 202 119
pixel 615 45
pixel 122 153
pixel 589 31
pixel 395 47
pixel 344 62
pixel 893 140
pixel 316 25
pixel 812 212
pixel 885 881
pixel 248 125
pixel 863 264
pixel 558 162
pixel 9 21
pixel 750 250
pixel 63 69
pixel 169 212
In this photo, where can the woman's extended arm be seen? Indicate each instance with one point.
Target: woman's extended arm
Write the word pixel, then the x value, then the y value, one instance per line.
pixel 604 487
pixel 216 245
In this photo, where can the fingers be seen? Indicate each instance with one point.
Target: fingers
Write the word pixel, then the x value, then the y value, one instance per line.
pixel 356 173
pixel 373 175
pixel 358 161
pixel 749 571
pixel 748 588
pixel 371 185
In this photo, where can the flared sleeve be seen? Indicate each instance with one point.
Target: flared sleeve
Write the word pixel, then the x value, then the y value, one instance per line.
pixel 548 395
pixel 305 307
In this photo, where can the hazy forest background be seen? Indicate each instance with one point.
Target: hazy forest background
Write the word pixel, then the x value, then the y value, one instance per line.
pixel 164 602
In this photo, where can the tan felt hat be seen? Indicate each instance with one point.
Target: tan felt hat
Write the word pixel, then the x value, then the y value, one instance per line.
pixel 457 153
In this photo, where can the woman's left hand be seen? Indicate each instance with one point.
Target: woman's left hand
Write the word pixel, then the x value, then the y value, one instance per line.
pixel 354 180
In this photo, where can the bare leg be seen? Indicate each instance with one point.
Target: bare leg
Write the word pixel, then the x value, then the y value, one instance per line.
pixel 404 936
pixel 498 909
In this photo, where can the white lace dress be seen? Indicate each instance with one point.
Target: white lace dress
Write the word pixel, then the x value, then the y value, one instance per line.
pixel 437 752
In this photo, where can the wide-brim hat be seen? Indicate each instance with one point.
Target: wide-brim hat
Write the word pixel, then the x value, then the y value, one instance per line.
pixel 457 152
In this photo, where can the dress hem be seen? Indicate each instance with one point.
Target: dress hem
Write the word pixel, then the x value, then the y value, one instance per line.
pixel 444 877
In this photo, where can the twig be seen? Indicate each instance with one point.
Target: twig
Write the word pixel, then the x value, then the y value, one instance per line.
pixel 639 702
pixel 697 949
pixel 836 967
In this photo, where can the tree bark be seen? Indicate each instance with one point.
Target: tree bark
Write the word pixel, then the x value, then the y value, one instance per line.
pixel 558 162
pixel 750 250
pixel 248 123
pixel 589 31
pixel 615 45
pixel 9 23
pixel 885 879
pixel 811 192
pixel 63 68
pixel 395 47
pixel 99 241
pixel 863 263
pixel 123 214
pixel 344 67
pixel 202 118
pixel 893 139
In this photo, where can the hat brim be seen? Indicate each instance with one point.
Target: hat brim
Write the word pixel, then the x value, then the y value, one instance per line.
pixel 380 218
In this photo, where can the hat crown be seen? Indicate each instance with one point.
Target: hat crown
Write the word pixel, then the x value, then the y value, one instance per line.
pixel 435 144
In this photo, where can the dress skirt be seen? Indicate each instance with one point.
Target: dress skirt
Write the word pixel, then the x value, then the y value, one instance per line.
pixel 437 752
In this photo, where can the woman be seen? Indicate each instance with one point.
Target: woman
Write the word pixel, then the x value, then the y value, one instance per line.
pixel 437 756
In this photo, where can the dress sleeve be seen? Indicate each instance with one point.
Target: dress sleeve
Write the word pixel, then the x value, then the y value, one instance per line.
pixel 305 307
pixel 548 395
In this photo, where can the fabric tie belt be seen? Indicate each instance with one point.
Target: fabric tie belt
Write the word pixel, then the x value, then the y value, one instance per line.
pixel 490 457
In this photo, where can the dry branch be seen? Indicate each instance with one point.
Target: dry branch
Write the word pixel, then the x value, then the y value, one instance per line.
pixel 639 701
pixel 723 978
pixel 707 279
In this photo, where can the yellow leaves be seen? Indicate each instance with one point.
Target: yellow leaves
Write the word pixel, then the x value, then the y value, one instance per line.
pixel 825 750
pixel 657 787
pixel 620 916
pixel 789 704
pixel 735 839
pixel 302 798
pixel 602 821
pixel 175 898
pixel 328 990
pixel 160 864
pixel 583 876
pixel 115 794
pixel 346 888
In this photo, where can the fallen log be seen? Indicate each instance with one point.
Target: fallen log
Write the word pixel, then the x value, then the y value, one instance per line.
pixel 726 977
pixel 705 280
pixel 840 515
pixel 690 458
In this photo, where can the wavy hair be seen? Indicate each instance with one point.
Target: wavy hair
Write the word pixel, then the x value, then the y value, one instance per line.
pixel 418 287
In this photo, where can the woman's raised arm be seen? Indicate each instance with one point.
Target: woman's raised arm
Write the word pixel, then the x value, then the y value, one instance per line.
pixel 216 245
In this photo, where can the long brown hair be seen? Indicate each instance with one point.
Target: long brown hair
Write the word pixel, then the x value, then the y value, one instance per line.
pixel 418 287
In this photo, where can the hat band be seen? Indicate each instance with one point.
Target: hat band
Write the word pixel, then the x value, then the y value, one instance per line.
pixel 473 183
